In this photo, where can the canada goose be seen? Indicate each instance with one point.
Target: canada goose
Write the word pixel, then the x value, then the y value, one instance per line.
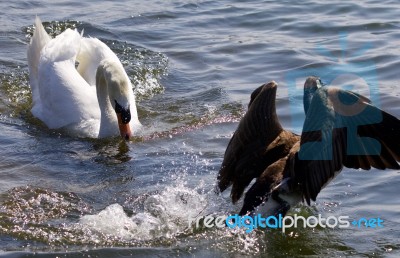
pixel 341 128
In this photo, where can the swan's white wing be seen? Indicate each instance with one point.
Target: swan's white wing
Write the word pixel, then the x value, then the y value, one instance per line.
pixel 65 97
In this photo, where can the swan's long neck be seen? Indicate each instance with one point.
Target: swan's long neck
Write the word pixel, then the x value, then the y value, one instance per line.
pixel 114 96
pixel 99 66
pixel 108 122
pixel 92 52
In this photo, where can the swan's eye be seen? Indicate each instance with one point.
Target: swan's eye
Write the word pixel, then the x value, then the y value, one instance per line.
pixel 125 113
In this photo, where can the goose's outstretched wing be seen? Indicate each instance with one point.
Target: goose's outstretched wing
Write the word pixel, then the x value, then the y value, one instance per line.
pixel 343 129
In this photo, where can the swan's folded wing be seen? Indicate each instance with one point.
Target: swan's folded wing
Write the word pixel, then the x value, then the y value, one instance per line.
pixel 342 129
pixel 65 97
pixel 62 48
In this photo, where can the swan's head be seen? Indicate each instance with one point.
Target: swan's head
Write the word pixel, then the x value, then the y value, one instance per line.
pixel 124 117
pixel 118 92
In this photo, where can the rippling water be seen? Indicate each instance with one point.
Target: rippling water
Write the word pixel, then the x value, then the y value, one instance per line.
pixel 193 65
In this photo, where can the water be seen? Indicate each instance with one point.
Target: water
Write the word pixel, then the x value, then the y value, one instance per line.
pixel 193 65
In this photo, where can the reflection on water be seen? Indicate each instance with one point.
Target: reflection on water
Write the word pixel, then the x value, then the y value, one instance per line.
pixel 110 152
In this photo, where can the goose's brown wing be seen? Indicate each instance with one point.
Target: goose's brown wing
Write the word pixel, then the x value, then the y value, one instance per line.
pixel 250 151
pixel 343 129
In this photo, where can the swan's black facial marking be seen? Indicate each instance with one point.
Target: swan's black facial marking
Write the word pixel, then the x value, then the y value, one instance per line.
pixel 125 113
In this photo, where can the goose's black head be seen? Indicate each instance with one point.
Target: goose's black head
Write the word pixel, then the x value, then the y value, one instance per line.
pixel 311 85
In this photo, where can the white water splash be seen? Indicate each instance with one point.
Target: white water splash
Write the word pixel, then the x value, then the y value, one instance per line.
pixel 164 215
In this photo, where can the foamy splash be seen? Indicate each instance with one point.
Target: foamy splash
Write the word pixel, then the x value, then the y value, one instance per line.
pixel 164 215
pixel 162 219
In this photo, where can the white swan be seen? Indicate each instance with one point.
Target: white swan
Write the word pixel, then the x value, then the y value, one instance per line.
pixel 93 100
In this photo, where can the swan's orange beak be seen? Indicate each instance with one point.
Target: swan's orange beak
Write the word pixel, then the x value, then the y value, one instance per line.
pixel 124 129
